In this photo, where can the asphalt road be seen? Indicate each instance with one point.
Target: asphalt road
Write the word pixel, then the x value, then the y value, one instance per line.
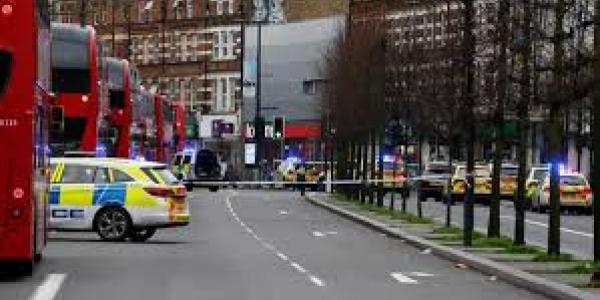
pixel 252 245
pixel 577 231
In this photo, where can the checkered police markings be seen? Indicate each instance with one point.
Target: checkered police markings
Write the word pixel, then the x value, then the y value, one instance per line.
pixel 283 257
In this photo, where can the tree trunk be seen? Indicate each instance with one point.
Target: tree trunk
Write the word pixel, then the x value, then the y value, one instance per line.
pixel 522 112
pixel 372 168
pixel 494 218
pixel 380 191
pixel 365 170
pixel 555 128
pixel 468 103
pixel 596 133
pixel 352 174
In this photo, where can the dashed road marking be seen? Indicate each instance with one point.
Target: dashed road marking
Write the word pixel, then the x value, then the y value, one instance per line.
pixel 298 267
pixel 401 278
pixel 314 279
pixel 49 288
pixel 318 234
pixel 283 212
pixel 282 256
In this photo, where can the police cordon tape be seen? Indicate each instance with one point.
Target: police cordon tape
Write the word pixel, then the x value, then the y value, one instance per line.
pixel 325 182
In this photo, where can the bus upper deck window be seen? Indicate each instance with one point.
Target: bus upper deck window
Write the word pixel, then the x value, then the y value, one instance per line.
pixel 5 69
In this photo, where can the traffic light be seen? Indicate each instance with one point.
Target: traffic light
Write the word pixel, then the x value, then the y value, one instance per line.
pixel 279 128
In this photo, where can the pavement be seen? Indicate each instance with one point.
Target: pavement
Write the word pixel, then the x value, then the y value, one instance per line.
pixel 252 245
pixel 577 231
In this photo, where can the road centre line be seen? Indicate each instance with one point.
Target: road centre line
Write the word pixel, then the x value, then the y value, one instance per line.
pixel 314 279
pixel 49 288
pixel 536 223
pixel 298 267
pixel 282 256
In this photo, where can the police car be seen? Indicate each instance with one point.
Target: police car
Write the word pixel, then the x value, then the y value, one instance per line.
pixel 117 198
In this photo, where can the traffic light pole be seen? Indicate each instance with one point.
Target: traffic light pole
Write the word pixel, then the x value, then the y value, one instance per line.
pixel 258 121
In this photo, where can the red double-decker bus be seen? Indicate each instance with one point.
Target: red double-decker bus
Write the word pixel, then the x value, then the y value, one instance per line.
pixel 75 80
pixel 24 122
pixel 178 125
pixel 163 114
pixel 143 129
pixel 119 77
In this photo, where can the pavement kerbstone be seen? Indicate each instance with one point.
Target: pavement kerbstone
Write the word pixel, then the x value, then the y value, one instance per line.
pixel 507 257
pixel 544 267
pixel 481 250
pixel 540 285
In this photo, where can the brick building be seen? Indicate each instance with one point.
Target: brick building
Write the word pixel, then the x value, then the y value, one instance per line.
pixel 190 49
pixel 187 49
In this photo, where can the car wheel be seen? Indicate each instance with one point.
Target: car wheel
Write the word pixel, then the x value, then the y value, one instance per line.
pixel 189 187
pixel 25 268
pixel 142 234
pixel 213 188
pixel 112 224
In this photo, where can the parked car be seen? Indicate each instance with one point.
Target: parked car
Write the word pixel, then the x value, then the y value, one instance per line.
pixel 575 193
pixel 508 179
pixel 117 198
pixel 207 168
pixel 433 181
pixel 458 185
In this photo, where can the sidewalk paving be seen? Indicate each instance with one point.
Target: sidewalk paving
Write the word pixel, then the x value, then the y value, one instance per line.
pixel 552 279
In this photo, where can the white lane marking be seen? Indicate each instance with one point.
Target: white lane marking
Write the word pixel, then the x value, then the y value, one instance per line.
pixel 420 274
pixel 318 234
pixel 316 281
pixel 536 223
pixel 282 256
pixel 268 246
pixel 298 267
pixel 49 288
pixel 403 278
pixel 283 212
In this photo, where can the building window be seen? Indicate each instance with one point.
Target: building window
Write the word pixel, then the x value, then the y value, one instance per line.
pixel 223 44
pixel 189 9
pixel 224 7
pixel 194 46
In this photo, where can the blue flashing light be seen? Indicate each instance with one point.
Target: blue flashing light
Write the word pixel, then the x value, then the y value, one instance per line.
pixel 100 151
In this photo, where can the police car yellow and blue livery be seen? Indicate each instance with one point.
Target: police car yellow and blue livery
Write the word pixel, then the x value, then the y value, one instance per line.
pixel 117 198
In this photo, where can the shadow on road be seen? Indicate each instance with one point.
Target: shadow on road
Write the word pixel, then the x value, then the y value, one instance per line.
pixel 91 240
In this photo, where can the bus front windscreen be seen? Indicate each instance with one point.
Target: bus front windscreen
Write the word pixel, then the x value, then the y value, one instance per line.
pixel 5 66
pixel 115 71
pixel 70 60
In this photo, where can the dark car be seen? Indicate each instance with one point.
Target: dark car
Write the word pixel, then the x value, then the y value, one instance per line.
pixel 207 168
pixel 433 181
